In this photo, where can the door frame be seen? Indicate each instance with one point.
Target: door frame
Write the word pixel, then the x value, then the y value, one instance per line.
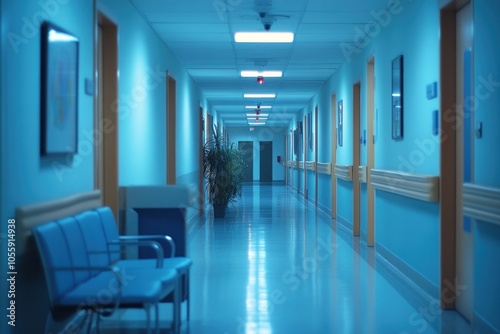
pixel 106 122
pixel 304 147
pixel 201 178
pixel 315 145
pixel 448 154
pixel 356 150
pixel 171 127
pixel 370 120
pixel 285 158
pixel 333 159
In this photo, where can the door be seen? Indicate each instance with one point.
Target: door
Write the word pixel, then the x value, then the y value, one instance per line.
pixel 316 153
pixel 304 147
pixel 285 158
pixel 171 129
pixel 464 159
pixel 247 148
pixel 106 117
pixel 333 159
pixel 266 161
pixel 356 151
pixel 201 179
pixel 370 144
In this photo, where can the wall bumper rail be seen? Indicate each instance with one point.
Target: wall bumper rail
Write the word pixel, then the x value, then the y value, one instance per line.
pixel 418 186
pixel 481 202
pixel 343 172
pixel 324 168
pixel 310 165
pixel 362 174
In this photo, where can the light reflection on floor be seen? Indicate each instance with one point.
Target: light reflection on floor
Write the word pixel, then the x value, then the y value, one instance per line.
pixel 276 265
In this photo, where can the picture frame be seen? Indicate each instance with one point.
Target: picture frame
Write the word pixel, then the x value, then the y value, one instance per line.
pixel 397 98
pixel 59 90
pixel 340 123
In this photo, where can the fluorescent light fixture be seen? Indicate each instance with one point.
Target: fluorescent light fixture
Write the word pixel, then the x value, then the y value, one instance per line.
pixel 265 74
pixel 396 94
pixel 255 118
pixel 259 115
pixel 263 37
pixel 256 123
pixel 257 107
pixel 259 96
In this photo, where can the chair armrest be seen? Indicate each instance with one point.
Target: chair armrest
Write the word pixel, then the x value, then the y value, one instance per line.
pixel 132 242
pixel 153 236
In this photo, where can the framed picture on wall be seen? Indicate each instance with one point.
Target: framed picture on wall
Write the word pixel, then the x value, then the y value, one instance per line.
pixel 340 122
pixel 397 98
pixel 59 90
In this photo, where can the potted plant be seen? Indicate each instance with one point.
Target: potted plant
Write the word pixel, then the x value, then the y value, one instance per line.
pixel 223 166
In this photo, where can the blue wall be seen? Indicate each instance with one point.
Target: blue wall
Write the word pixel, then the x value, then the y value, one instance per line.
pixel 143 62
pixel 404 33
pixel 26 177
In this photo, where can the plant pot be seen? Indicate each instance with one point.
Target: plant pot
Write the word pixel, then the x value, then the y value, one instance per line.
pixel 219 211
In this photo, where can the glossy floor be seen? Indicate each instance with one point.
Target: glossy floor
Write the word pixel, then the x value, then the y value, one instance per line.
pixel 277 265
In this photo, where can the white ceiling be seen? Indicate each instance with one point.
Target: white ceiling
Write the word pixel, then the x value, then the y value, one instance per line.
pixel 200 33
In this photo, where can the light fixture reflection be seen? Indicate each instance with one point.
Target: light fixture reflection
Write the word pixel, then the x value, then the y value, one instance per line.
pixel 257 297
pixel 57 36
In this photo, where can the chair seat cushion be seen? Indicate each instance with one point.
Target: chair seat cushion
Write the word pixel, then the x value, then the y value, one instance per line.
pixel 181 264
pixel 139 287
pixel 166 276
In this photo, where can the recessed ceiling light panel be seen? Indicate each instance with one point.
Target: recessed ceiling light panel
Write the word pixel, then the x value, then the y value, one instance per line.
pixel 265 74
pixel 259 115
pixel 258 107
pixel 259 96
pixel 263 37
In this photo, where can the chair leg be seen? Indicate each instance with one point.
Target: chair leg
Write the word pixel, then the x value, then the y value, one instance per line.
pixel 147 307
pixel 157 318
pixel 187 296
pixel 98 323
pixel 176 323
pixel 90 321
pixel 48 322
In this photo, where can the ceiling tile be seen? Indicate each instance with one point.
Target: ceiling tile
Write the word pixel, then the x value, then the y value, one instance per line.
pixel 200 34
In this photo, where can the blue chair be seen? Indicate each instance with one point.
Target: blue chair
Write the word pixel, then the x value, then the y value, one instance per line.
pixel 181 264
pixel 79 280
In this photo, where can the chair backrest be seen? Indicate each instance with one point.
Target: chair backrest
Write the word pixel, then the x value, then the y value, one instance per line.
pixel 94 238
pixel 110 229
pixel 55 252
pixel 77 249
